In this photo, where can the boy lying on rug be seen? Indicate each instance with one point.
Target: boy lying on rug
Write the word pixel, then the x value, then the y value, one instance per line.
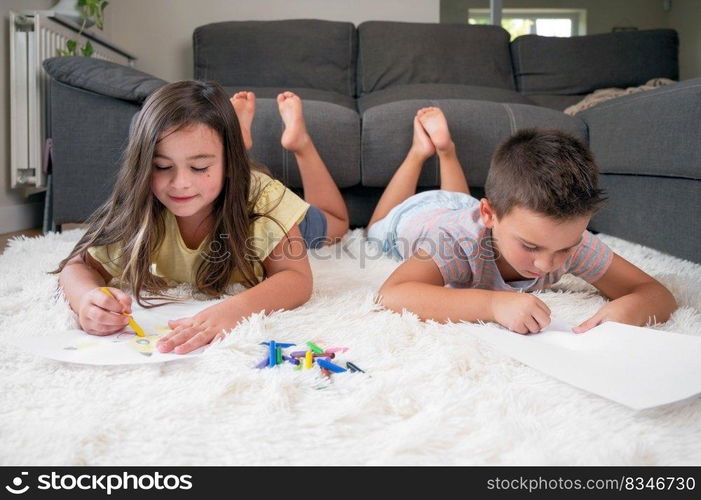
pixel 529 230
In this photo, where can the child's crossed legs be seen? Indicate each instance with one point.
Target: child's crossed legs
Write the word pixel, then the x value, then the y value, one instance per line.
pixel 431 136
pixel 320 190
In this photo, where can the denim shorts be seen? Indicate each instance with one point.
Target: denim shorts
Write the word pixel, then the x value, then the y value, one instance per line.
pixel 386 230
pixel 314 227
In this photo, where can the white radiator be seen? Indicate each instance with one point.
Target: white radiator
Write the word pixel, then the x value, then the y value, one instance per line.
pixel 34 37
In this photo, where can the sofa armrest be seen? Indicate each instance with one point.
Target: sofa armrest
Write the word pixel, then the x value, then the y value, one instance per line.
pixel 647 148
pixel 650 133
pixel 89 132
pixel 103 77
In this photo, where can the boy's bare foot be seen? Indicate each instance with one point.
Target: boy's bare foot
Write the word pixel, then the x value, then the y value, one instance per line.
pixel 295 135
pixel 421 143
pixel 245 106
pixel 436 126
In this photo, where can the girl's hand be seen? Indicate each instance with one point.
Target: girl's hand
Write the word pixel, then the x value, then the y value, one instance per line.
pixel 192 333
pixel 100 314
pixel 288 285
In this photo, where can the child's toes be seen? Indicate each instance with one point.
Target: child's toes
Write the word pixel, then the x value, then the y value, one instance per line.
pixel 418 127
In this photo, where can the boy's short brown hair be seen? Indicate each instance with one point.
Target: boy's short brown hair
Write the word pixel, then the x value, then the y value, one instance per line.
pixel 544 170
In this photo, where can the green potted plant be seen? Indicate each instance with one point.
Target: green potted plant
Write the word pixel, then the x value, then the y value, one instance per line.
pixel 90 12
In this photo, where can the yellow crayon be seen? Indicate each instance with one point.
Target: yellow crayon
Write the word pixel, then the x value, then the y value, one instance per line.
pixel 308 360
pixel 132 323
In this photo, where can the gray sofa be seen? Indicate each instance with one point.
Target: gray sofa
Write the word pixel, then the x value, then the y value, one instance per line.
pixel 362 86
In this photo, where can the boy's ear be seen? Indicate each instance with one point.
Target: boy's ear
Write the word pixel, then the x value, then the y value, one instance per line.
pixel 487 213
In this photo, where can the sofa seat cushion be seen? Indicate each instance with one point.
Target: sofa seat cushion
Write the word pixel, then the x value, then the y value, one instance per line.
pixel 477 128
pixel 439 91
pixel 558 102
pixel 306 94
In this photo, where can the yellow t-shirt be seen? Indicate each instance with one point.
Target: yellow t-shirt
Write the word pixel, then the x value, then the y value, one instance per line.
pixel 175 261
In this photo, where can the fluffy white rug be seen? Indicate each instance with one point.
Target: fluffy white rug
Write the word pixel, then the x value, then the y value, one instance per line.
pixel 432 394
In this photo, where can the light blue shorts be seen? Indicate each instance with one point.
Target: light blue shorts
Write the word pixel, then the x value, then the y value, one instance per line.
pixel 385 231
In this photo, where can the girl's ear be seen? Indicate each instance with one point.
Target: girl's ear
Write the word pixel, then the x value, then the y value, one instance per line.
pixel 487 213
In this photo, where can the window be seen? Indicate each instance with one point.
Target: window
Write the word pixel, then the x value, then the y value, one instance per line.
pixel 546 22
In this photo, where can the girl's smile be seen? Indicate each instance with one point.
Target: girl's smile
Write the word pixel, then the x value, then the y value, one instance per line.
pixel 181 199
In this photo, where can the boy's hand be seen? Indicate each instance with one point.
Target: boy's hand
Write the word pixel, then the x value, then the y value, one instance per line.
pixel 613 311
pixel 520 312
pixel 194 332
pixel 100 314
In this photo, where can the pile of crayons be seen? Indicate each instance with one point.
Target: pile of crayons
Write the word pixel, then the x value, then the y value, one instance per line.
pixel 306 359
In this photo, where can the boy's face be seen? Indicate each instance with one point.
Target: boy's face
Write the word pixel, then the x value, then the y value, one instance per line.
pixel 531 243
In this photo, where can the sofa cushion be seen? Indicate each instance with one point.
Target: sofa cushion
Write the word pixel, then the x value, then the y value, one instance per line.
pixel 392 53
pixel 580 65
pixel 439 91
pixel 558 102
pixel 649 133
pixel 477 128
pixel 292 53
pixel 103 77
pixel 303 93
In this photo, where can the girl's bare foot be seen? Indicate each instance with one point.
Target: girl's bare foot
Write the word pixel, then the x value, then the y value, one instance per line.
pixel 436 126
pixel 421 143
pixel 295 137
pixel 245 106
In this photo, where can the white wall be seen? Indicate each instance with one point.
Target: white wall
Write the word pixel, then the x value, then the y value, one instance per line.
pixel 16 211
pixel 159 32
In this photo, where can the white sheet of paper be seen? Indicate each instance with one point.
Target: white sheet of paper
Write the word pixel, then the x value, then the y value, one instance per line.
pixel 637 367
pixel 76 346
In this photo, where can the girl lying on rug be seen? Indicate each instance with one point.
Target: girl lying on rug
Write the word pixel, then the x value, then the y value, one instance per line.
pixel 187 207
pixel 528 231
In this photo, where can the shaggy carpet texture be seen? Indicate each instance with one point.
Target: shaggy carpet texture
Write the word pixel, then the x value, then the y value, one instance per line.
pixel 432 394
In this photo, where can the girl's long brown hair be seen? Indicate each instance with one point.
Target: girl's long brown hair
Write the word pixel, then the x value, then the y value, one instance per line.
pixel 133 216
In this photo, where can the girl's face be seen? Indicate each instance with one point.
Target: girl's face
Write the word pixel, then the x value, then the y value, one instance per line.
pixel 188 170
